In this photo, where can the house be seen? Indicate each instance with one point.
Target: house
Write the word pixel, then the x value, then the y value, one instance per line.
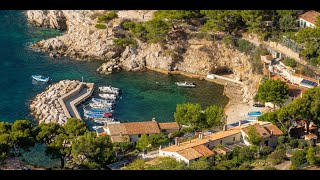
pixel 206 146
pixel 308 19
pixel 311 139
pixel 269 132
pixel 267 59
pixel 132 131
pixel 169 127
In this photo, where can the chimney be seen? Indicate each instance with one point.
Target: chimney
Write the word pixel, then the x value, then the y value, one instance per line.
pixel 176 141
pixel 271 132
pixel 240 123
pixel 200 135
pixel 225 127
pixel 154 120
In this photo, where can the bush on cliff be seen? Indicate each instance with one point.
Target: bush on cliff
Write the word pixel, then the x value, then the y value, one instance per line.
pixel 107 17
pixel 100 26
pixel 122 42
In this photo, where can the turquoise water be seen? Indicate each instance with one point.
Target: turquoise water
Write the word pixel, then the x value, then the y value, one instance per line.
pixel 145 94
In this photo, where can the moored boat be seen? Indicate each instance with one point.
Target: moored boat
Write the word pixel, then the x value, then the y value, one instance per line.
pixel 40 78
pixel 102 101
pixel 185 84
pixel 108 96
pixel 98 105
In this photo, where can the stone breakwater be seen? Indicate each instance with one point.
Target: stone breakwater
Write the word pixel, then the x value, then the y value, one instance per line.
pixel 46 107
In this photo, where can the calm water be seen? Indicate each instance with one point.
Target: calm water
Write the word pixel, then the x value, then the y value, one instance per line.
pixel 145 94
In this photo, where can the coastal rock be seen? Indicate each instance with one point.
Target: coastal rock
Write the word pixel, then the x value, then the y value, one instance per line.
pixel 46 107
pixel 47 18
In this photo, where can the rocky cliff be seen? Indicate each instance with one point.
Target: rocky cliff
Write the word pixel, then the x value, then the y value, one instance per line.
pixel 182 52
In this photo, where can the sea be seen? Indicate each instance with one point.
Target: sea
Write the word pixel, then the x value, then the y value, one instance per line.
pixel 146 94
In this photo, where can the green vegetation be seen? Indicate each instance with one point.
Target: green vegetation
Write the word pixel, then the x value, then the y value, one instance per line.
pixel 311 156
pixel 156 30
pixel 253 136
pixel 71 141
pixel 298 158
pixel 160 163
pixel 146 142
pixel 100 26
pixel 191 114
pixel 309 38
pixel 274 91
pixel 107 17
pixel 123 42
pixel 290 62
pixel 175 14
pixel 305 108
pixel 277 157
pixel 92 151
pixel 200 164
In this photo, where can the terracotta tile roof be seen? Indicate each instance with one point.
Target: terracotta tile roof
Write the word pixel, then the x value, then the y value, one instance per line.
pixel 206 139
pixel 310 16
pixel 275 130
pixel 169 125
pixel 204 150
pixel 115 129
pixel 190 153
pixel 132 128
pixel 221 151
pixel 261 130
pixel 124 138
pixel 311 136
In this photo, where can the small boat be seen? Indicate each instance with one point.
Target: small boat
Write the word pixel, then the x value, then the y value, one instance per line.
pixel 185 84
pixel 40 78
pixel 103 120
pixel 110 91
pixel 102 101
pixel 97 110
pixel 108 96
pixel 108 88
pixel 255 113
pixel 94 115
pixel 98 105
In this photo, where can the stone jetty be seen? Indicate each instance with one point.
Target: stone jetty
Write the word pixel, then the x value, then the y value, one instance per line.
pixel 46 106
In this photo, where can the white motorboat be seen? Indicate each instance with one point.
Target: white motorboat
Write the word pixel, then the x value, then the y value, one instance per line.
pixel 108 96
pixel 40 78
pixel 103 101
pixel 99 105
pixel 185 84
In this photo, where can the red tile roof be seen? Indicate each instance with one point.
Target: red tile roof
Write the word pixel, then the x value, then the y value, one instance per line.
pixel 169 125
pixel 310 16
pixel 311 136
pixel 132 128
pixel 203 150
pixel 275 130
pixel 261 130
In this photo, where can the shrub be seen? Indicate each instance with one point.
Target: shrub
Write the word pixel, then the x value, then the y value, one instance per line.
pixel 298 158
pixel 294 143
pixel 156 30
pixel 269 168
pixel 265 150
pixel 282 140
pixel 244 45
pixel 122 42
pixel 290 62
pixel 128 25
pixel 107 17
pixel 176 134
pixel 277 157
pixel 302 144
pixel 245 166
pixel 227 39
pixel 100 26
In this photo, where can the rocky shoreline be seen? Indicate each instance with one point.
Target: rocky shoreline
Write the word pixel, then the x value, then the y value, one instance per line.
pixel 183 51
pixel 46 107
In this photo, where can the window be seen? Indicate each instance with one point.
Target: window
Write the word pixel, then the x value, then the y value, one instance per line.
pixel 301 22
pixel 220 141
pixel 162 153
pixel 234 138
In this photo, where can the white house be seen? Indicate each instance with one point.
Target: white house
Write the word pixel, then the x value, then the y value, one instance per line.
pixel 308 19
pixel 203 145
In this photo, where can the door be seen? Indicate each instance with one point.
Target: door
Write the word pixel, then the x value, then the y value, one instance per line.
pixel 266 142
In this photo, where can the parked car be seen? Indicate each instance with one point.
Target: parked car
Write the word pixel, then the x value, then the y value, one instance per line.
pixel 258 105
